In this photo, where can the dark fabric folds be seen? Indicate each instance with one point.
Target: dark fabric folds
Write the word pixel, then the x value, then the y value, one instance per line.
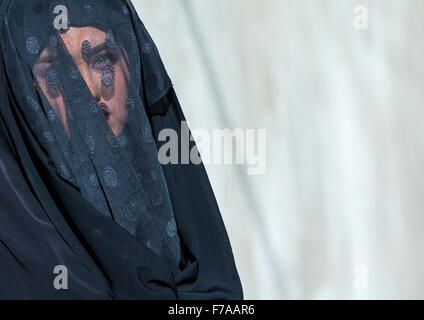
pixel 50 217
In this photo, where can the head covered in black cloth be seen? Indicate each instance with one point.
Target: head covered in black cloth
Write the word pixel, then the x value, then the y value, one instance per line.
pixel 81 109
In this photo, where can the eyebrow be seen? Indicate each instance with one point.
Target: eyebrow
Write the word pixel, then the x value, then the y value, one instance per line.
pixel 97 49
pixel 52 56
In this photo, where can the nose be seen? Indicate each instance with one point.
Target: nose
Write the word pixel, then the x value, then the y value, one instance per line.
pixel 93 83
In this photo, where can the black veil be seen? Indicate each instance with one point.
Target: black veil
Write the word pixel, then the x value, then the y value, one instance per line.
pixel 81 110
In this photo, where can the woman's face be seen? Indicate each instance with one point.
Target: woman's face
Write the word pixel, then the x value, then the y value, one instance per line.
pixel 101 65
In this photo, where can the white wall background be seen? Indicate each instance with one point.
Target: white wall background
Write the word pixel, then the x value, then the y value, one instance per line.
pixel 344 110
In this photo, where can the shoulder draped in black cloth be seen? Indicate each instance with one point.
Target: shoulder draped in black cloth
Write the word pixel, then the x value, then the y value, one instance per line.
pixel 82 103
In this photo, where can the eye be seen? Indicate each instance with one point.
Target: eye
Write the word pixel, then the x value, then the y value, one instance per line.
pixel 101 60
pixel 40 69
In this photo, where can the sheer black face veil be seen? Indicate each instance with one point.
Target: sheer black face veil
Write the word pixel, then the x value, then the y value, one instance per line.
pixel 81 111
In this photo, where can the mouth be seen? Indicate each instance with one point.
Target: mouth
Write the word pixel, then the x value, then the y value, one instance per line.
pixel 105 110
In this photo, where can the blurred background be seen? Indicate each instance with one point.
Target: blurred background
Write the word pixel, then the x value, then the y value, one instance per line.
pixel 338 213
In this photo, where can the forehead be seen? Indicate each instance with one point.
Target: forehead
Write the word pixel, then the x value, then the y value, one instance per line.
pixel 74 37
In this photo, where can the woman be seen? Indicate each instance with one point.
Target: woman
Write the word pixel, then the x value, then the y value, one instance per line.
pixel 81 108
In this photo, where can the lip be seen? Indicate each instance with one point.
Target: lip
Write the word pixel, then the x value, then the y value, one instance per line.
pixel 105 110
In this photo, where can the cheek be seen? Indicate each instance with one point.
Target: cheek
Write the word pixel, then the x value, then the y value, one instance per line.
pixel 121 93
pixel 55 100
pixel 118 104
